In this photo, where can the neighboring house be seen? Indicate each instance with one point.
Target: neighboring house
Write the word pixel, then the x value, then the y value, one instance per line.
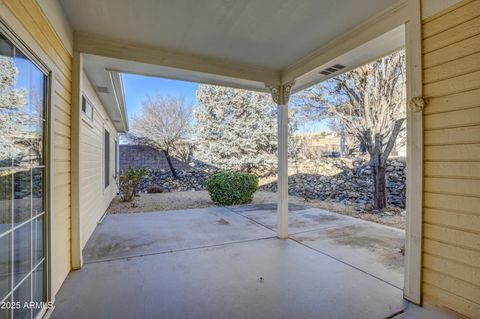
pixel 74 175
pixel 317 144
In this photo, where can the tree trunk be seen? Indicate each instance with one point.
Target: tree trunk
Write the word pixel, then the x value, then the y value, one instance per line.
pixel 379 182
pixel 169 161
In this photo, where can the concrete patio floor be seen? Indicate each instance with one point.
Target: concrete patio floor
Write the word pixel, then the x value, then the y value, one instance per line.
pixel 227 263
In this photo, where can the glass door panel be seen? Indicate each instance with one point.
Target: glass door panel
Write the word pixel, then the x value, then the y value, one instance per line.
pixel 22 181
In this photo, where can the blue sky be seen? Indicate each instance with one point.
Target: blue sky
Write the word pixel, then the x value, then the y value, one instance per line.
pixel 138 86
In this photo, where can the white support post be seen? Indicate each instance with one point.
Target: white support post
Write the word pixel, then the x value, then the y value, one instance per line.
pixel 414 222
pixel 76 229
pixel 281 95
pixel 282 179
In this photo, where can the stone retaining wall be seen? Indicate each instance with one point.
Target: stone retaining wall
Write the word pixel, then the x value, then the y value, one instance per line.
pixel 352 184
pixel 338 180
pixel 138 156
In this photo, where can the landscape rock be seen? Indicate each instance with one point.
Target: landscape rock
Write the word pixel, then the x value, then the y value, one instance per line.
pixel 346 181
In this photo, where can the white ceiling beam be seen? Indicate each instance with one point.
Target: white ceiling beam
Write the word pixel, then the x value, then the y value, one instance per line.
pixel 374 27
pixel 97 45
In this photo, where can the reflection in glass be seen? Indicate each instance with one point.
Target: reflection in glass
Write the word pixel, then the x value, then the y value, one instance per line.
pixel 6 65
pixel 5 313
pixel 14 118
pixel 37 92
pixel 21 204
pixel 22 295
pixel 6 47
pixel 5 200
pixel 35 142
pixel 5 264
pixel 37 191
pixel 22 127
pixel 37 226
pixel 21 252
pixel 38 291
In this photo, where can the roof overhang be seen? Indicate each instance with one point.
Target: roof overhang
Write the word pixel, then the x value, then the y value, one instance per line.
pixel 108 85
pixel 112 51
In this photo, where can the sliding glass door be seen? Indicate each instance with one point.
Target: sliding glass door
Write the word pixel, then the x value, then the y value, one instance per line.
pixel 22 183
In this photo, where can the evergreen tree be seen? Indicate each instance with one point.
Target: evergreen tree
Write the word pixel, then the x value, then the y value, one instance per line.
pixel 236 129
pixel 14 120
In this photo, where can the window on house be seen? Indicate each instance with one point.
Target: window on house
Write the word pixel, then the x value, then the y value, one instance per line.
pixel 116 158
pixel 87 108
pixel 107 158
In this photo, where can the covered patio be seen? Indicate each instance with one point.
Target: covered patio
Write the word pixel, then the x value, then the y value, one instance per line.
pixel 226 262
pixel 277 261
pixel 217 53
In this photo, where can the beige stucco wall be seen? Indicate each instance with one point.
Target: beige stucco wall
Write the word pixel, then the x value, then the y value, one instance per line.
pixel 451 230
pixel 32 26
pixel 94 198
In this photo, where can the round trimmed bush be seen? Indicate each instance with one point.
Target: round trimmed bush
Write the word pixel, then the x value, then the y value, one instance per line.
pixel 232 188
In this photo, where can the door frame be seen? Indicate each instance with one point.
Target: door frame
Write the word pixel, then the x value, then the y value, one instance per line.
pixel 18 41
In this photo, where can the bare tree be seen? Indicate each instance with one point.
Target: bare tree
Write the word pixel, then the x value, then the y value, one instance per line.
pixel 163 123
pixel 370 103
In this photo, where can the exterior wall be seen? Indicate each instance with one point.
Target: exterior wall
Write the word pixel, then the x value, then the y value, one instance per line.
pixel 451 230
pixel 94 197
pixel 31 24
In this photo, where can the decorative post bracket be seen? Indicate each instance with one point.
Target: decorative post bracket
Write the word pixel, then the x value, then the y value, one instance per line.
pixel 281 93
pixel 417 104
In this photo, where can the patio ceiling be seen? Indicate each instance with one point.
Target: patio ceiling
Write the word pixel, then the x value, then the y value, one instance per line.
pixel 238 43
pixel 271 34
pixel 243 44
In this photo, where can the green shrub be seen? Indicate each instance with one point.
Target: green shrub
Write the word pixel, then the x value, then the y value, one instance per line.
pixel 129 181
pixel 232 188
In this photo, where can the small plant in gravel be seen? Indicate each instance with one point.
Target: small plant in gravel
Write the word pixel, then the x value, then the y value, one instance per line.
pixel 232 188
pixel 129 181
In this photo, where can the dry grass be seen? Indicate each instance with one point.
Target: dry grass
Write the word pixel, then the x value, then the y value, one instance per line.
pixel 201 199
pixel 162 202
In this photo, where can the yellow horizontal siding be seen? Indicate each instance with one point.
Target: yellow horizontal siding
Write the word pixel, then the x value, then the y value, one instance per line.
pixel 454 203
pixel 460 153
pixel 449 136
pixel 468 187
pixel 460 101
pixel 452 52
pixel 457 33
pixel 468 11
pixel 24 11
pixel 460 271
pixel 451 230
pixel 94 198
pixel 461 83
pixel 469 222
pixel 449 235
pixel 456 286
pixel 453 253
pixel 469 63
pixel 445 299
pixel 46 28
pixel 464 170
